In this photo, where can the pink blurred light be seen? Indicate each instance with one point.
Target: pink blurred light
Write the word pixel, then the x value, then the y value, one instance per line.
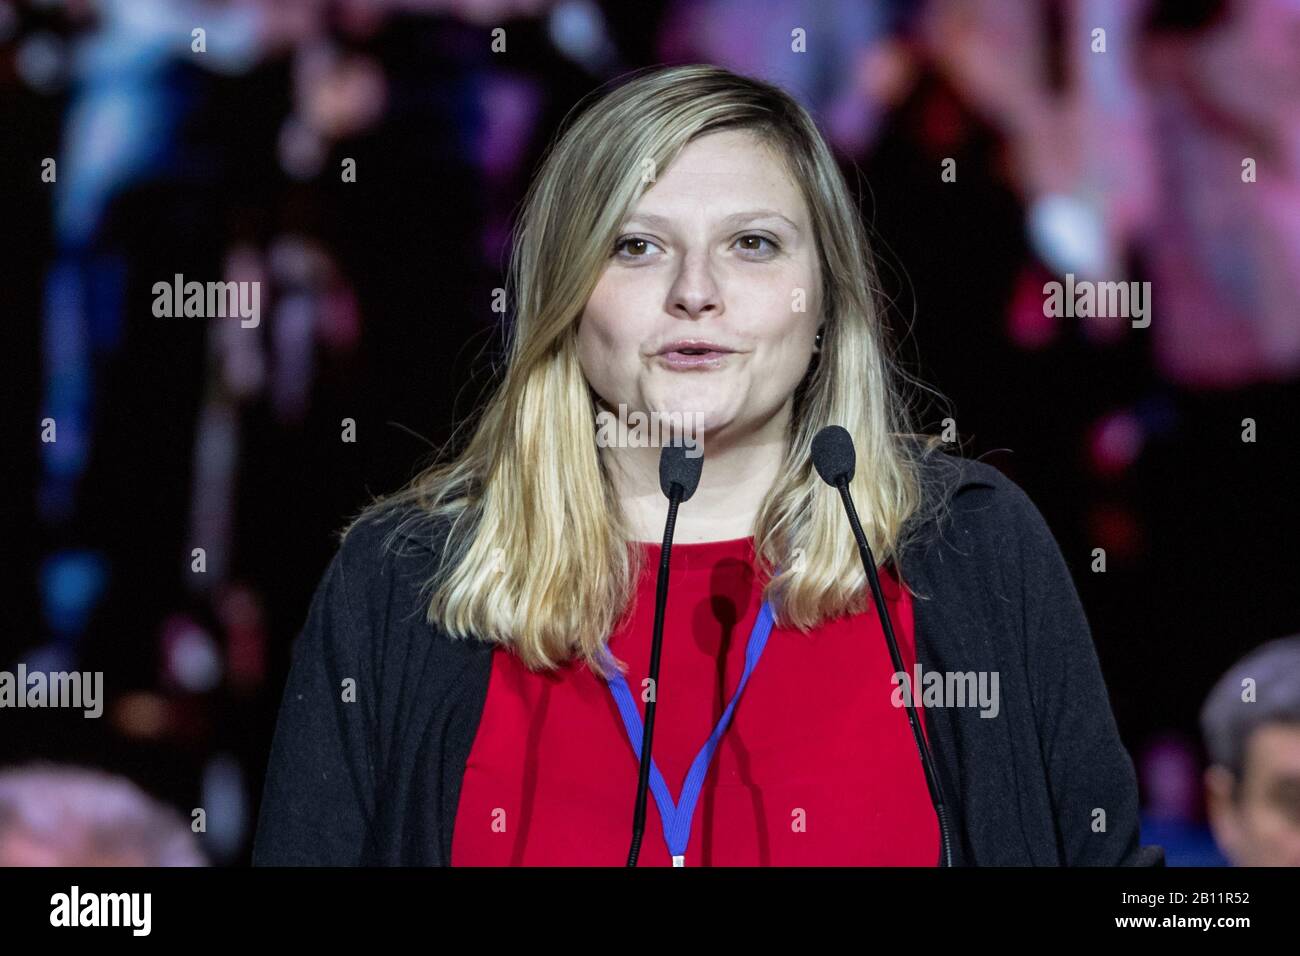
pixel 1115 442
pixel 1028 325
pixel 189 655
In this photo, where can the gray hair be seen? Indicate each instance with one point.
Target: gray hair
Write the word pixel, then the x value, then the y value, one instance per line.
pixel 1227 721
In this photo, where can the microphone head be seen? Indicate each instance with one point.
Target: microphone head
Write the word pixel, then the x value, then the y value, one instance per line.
pixel 675 468
pixel 833 455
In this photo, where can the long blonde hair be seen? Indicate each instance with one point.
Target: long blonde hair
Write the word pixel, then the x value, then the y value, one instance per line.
pixel 536 554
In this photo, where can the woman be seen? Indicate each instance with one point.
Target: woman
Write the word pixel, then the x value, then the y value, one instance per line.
pixel 690 248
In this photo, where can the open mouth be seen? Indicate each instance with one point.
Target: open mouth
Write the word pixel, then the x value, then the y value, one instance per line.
pixel 694 358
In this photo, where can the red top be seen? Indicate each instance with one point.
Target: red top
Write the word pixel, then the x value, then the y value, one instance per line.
pixel 817 768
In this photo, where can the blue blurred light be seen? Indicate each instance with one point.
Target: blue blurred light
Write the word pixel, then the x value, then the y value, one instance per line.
pixel 71 583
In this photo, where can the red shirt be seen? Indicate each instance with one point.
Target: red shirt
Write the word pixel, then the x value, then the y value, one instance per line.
pixel 817 768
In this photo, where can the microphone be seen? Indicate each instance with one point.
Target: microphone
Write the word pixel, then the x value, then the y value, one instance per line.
pixel 679 476
pixel 835 460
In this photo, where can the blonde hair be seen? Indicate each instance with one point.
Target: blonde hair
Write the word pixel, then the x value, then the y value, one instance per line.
pixel 536 556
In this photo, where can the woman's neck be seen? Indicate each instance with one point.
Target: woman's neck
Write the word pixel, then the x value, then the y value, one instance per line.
pixel 734 483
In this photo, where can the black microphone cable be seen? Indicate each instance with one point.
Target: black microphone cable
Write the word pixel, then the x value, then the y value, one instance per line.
pixel 835 459
pixel 679 476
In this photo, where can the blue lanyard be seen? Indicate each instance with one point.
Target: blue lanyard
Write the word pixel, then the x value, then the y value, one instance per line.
pixel 677 818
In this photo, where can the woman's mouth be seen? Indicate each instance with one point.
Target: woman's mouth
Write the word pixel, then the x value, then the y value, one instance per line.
pixel 693 358
pixel 688 354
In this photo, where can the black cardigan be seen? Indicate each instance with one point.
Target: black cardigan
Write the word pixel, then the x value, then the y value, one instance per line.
pixel 1045 782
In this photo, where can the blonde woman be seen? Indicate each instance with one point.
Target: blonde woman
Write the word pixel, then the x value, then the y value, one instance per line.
pixel 689 248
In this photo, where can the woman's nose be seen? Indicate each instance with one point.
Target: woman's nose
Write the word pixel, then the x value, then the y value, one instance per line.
pixel 695 290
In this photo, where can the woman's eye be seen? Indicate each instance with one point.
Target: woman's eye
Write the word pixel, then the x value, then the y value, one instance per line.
pixel 753 243
pixel 637 247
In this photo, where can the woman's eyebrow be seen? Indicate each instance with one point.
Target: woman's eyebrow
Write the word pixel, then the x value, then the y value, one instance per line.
pixel 735 219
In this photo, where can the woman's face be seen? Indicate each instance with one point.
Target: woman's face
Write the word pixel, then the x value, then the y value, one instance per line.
pixel 718 252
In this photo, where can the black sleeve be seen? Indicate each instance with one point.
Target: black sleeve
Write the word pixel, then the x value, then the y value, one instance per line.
pixel 1091 778
pixel 318 799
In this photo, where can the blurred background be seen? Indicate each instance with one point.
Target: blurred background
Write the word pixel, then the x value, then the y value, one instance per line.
pixel 224 163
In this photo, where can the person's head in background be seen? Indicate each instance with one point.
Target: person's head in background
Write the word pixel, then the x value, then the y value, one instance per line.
pixel 1251 725
pixel 54 815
